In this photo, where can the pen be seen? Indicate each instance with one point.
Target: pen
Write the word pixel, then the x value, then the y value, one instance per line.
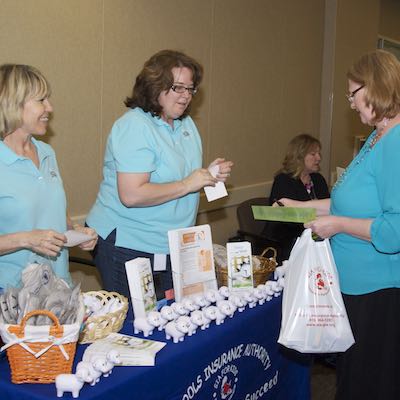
pixel 280 204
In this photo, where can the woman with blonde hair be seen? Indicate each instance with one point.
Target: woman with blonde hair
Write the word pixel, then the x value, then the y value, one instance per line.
pixel 33 215
pixel 299 179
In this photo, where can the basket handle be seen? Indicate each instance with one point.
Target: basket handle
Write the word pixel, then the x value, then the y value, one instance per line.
pixel 55 330
pixel 266 250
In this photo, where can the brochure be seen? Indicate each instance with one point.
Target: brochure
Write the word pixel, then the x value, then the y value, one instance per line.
pixel 240 265
pixel 192 260
pixel 132 350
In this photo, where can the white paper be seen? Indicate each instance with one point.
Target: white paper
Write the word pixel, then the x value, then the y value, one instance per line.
pixel 219 190
pixel 75 237
pixel 160 262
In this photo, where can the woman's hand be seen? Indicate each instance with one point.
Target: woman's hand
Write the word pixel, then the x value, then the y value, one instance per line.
pixel 288 203
pixel 326 226
pixel 44 241
pixel 90 244
pixel 224 170
pixel 198 179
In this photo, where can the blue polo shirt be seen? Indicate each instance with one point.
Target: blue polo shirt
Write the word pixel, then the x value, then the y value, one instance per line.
pixel 141 143
pixel 370 189
pixel 30 198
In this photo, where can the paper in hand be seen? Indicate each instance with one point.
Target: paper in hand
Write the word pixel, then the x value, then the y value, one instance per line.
pixel 219 190
pixel 74 238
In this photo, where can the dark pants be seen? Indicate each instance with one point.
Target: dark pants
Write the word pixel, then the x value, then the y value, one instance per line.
pixel 110 261
pixel 370 368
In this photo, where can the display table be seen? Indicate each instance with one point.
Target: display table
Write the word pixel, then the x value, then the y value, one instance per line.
pixel 239 359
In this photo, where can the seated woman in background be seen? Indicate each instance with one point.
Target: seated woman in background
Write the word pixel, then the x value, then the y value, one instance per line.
pixel 298 179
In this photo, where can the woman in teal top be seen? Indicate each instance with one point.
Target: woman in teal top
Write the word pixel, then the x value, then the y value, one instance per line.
pixel 363 221
pixel 152 172
pixel 33 215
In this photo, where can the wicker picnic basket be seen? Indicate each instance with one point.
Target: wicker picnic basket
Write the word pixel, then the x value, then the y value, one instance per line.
pixel 263 266
pixel 98 327
pixel 37 354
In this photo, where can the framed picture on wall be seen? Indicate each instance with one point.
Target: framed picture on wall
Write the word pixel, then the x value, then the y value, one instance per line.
pixel 390 45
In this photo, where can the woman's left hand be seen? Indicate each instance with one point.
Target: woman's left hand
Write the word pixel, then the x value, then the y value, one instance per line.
pixel 90 244
pixel 224 170
pixel 325 227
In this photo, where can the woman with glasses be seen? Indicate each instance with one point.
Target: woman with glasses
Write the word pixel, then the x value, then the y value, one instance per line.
pixel 298 179
pixel 152 172
pixel 362 219
pixel 33 216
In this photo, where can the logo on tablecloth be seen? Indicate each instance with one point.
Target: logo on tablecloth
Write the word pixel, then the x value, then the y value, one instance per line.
pixel 319 281
pixel 220 378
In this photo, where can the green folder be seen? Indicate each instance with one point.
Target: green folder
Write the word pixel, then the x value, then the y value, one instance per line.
pixel 284 214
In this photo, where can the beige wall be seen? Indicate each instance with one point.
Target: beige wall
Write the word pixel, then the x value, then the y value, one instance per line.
pixel 262 77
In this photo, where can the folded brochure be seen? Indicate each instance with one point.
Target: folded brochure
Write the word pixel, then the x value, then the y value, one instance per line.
pixel 284 214
pixel 132 350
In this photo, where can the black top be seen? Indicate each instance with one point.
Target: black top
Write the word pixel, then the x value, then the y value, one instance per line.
pixel 286 186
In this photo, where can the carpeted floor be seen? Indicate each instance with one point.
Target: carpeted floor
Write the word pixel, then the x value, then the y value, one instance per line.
pixel 323 382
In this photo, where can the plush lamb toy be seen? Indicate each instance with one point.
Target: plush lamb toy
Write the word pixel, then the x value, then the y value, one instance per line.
pixel 179 308
pixel 112 358
pixel 226 307
pixel 224 292
pixel 212 296
pixel 248 297
pixel 177 329
pixel 260 295
pixel 72 382
pixel 210 314
pixel 237 301
pixel 167 314
pixel 201 301
pixel 189 304
pixel 147 325
pixel 196 320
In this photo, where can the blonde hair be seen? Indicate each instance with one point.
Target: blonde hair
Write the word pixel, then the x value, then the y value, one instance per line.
pixel 18 83
pixel 297 149
pixel 379 72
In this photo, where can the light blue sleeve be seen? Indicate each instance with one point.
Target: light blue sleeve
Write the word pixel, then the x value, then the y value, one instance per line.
pixel 385 229
pixel 132 146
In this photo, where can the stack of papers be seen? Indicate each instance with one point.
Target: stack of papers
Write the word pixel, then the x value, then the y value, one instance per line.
pixel 133 351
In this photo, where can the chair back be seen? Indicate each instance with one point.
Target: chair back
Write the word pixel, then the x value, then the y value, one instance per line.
pixel 245 217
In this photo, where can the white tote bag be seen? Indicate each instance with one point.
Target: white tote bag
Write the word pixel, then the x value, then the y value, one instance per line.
pixel 314 319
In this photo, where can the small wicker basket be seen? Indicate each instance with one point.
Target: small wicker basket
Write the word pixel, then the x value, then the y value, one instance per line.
pixel 40 368
pixel 98 327
pixel 261 273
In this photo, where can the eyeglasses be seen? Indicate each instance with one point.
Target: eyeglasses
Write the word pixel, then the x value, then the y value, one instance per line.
pixel 350 96
pixel 181 89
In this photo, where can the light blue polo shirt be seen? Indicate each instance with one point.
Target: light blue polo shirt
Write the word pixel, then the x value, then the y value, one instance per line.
pixel 370 189
pixel 30 198
pixel 141 143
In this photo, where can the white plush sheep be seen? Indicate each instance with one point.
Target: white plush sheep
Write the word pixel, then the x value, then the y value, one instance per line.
pixel 93 375
pixel 226 307
pixel 189 304
pixel 260 295
pixel 196 320
pixel 71 383
pixel 210 314
pixel 201 301
pixel 167 314
pixel 224 291
pixel 249 299
pixel 179 308
pixel 237 301
pixel 212 296
pixel 147 325
pixel 177 329
pixel 112 358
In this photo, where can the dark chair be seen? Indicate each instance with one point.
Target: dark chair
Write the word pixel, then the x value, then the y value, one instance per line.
pixel 253 230
pixel 81 260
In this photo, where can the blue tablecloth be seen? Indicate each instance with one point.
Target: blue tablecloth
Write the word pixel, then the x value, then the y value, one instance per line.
pixel 239 359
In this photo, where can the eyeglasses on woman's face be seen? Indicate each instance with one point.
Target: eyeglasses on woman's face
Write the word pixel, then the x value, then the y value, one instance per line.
pixel 350 96
pixel 182 89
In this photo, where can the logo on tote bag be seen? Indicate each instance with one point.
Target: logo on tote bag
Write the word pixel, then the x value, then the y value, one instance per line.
pixel 319 281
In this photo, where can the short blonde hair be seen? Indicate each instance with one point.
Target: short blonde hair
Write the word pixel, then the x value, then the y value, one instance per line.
pixel 18 83
pixel 379 72
pixel 298 148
